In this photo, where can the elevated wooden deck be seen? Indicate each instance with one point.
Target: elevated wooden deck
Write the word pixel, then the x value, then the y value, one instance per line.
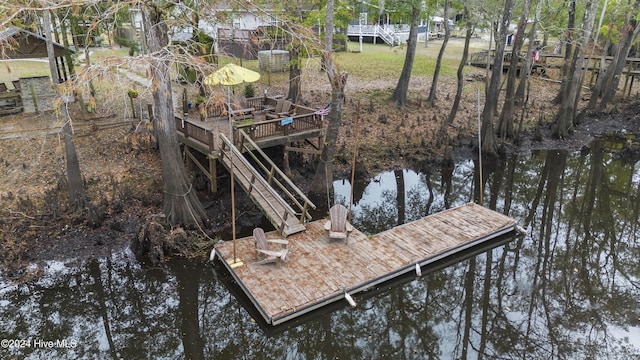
pixel 267 186
pixel 320 272
pixel 201 134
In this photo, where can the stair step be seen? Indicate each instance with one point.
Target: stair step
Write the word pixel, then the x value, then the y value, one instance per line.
pixel 265 197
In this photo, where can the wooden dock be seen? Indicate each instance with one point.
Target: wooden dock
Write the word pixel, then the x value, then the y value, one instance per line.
pixel 320 272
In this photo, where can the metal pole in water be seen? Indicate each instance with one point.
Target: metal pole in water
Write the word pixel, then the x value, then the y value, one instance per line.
pixel 236 262
pixel 480 147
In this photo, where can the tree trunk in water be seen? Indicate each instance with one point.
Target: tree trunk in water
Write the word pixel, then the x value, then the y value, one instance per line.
pixel 294 74
pixel 567 113
pixel 102 298
pixel 181 204
pixel 188 277
pixel 460 73
pixel 505 123
pixel 321 184
pixel 400 196
pixel 488 135
pixel 607 84
pixel 567 37
pixel 431 100
pixel 528 63
pixel 399 96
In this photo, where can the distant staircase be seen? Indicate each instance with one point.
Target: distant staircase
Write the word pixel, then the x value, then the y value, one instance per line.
pixel 267 185
pixel 387 35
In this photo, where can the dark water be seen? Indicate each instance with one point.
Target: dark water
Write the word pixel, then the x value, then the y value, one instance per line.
pixel 570 289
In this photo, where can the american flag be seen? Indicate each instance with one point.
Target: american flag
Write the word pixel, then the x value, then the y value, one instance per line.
pixel 324 111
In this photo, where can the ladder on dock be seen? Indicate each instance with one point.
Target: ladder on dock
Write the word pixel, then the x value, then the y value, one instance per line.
pixel 262 185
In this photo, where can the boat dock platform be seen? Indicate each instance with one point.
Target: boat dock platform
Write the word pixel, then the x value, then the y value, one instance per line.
pixel 319 272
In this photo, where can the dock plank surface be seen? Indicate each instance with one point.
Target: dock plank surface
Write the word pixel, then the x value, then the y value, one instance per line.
pixel 319 271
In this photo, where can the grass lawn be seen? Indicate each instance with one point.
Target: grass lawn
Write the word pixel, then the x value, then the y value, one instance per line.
pixel 382 62
pixel 99 54
pixel 14 69
pixel 375 62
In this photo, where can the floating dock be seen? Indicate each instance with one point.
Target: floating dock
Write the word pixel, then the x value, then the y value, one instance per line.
pixel 319 272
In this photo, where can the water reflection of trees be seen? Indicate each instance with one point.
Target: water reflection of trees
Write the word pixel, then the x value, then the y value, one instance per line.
pixel 569 289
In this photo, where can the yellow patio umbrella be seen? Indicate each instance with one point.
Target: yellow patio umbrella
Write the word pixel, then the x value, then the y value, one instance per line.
pixel 231 74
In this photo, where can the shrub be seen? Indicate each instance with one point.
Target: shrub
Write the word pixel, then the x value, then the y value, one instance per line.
pixel 249 90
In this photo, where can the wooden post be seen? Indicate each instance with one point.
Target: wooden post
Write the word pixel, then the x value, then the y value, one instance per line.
pixel 53 68
pixel 33 97
pixel 271 174
pixel 213 172
pixel 202 112
pixel 212 144
pixel 285 162
pixel 64 69
pixel 187 158
pixel 185 108
pixel 321 142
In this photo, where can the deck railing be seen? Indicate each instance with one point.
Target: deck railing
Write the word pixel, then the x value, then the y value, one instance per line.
pixel 275 177
pixel 304 119
pixel 280 127
pixel 252 179
pixel 195 130
pixel 220 110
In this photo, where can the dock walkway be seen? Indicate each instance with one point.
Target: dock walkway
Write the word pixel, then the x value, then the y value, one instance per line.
pixel 319 272
pixel 260 190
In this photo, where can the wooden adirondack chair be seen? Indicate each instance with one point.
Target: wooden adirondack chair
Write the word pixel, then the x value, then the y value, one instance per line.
pixel 264 253
pixel 286 108
pixel 338 226
pixel 283 106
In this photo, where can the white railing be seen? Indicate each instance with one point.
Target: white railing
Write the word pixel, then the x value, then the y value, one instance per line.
pixel 388 33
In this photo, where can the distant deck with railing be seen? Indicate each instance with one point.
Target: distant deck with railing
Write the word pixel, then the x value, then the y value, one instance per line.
pixel 547 61
pixel 202 133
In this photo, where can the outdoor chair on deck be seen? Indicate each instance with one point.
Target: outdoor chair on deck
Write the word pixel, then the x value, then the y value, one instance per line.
pixel 267 255
pixel 282 109
pixel 338 226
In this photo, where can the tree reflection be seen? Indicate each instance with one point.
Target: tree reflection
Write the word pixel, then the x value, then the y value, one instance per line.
pixel 569 289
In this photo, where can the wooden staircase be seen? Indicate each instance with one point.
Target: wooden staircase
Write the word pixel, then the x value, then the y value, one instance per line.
pixel 262 189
